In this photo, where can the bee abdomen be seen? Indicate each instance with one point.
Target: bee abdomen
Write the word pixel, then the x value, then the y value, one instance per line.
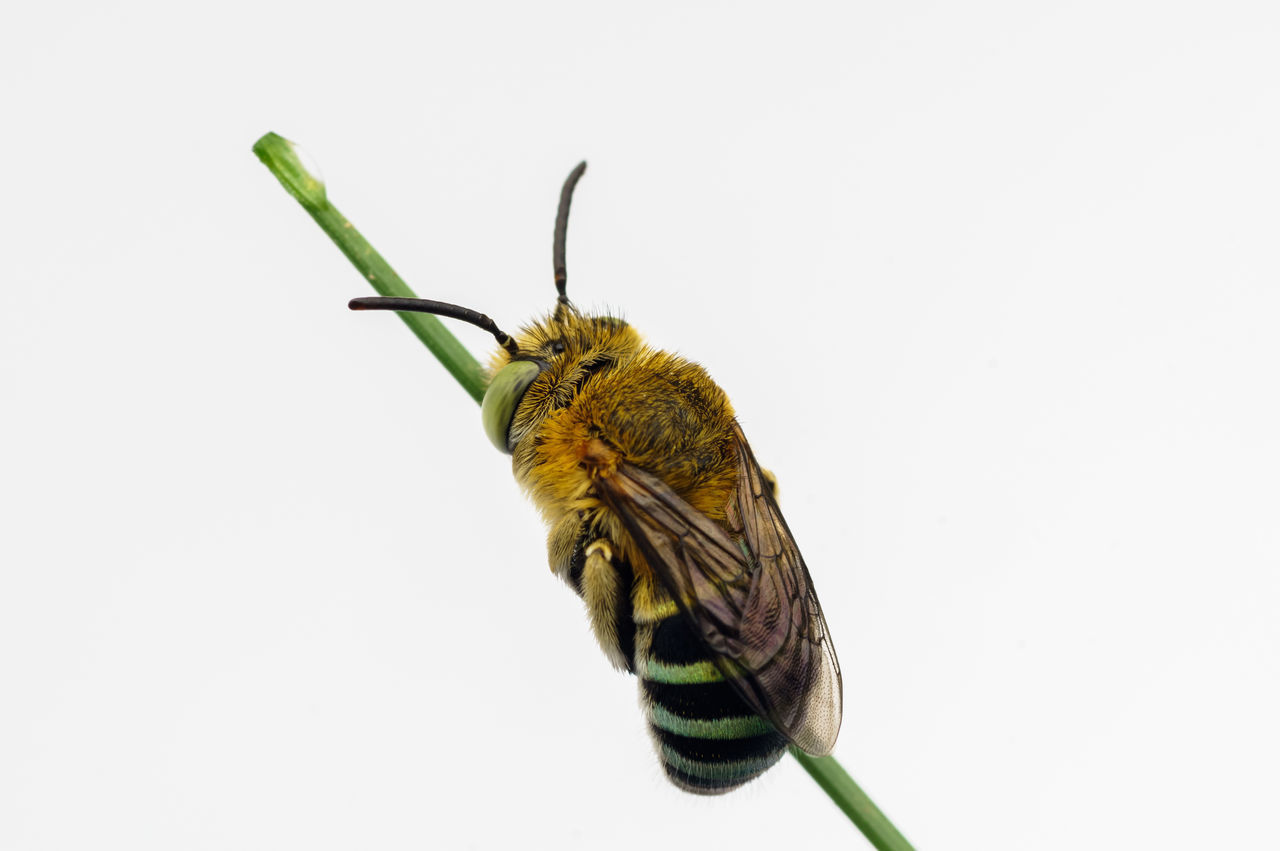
pixel 707 738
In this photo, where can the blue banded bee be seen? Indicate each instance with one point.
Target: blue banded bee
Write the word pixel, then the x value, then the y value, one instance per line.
pixel 665 525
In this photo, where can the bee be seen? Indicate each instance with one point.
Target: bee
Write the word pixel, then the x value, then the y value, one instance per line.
pixel 660 518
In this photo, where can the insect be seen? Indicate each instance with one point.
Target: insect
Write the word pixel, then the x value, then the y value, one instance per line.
pixel 662 521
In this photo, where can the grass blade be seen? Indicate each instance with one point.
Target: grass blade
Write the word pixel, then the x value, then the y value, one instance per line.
pixel 281 157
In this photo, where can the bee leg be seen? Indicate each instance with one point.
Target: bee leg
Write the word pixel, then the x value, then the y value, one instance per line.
pixel 597 572
pixel 565 545
pixel 606 589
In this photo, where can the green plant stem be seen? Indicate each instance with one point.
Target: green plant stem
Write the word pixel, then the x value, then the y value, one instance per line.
pixel 837 783
pixel 279 155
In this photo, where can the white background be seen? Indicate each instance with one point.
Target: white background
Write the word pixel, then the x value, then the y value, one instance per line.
pixel 993 286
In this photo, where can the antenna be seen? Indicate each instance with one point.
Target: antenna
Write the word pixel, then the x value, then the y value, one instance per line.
pixel 562 226
pixel 439 308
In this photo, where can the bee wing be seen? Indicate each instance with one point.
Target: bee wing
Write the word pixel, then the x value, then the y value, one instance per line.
pixel 747 592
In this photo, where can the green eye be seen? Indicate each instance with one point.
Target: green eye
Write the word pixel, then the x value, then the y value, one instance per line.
pixel 500 399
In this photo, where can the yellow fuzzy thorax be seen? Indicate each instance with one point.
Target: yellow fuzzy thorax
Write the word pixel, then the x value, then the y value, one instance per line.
pixel 605 397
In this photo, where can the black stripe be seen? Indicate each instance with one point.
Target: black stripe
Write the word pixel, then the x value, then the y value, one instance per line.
pixel 711 785
pixel 706 784
pixel 675 643
pixel 697 700
pixel 722 750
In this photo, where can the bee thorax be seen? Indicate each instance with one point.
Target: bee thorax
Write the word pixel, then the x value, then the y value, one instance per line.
pixel 597 458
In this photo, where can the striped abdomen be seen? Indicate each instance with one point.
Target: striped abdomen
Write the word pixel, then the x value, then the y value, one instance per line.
pixel 707 739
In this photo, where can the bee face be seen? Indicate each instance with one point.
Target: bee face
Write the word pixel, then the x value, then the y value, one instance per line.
pixel 662 521
pixel 567 349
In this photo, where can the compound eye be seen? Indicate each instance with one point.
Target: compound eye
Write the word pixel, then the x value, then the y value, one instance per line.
pixel 501 398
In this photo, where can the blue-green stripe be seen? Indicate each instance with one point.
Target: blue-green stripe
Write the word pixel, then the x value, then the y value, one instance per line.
pixel 741 727
pixel 704 671
pixel 727 771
